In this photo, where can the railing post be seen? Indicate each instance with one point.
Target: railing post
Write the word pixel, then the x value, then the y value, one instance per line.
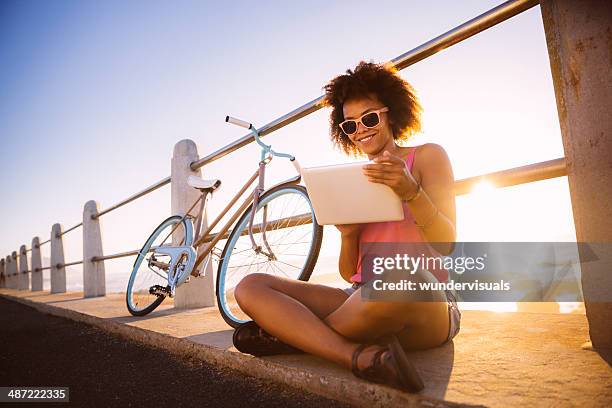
pixel 58 275
pixel 94 280
pixel 24 276
pixel 15 270
pixel 8 272
pixel 199 292
pixel 578 40
pixel 37 274
pixel 2 275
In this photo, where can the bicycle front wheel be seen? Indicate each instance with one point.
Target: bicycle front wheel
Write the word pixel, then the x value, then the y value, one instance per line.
pixel 288 245
pixel 145 290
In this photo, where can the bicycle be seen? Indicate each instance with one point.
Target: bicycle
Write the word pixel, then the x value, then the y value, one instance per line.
pixel 275 231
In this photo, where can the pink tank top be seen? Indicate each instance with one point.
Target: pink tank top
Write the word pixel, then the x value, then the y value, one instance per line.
pixel 397 231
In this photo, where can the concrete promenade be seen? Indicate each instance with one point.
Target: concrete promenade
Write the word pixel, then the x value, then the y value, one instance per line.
pixel 498 359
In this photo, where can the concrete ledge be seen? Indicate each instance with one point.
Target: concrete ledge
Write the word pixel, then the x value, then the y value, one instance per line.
pixel 499 359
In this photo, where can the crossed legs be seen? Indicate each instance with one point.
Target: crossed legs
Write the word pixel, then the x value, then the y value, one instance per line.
pixel 324 321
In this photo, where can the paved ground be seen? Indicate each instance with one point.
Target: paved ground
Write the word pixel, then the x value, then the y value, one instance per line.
pixel 104 370
pixel 498 359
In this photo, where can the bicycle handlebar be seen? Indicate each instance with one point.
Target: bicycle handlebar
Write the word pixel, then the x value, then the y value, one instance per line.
pixel 247 125
pixel 241 123
pixel 266 148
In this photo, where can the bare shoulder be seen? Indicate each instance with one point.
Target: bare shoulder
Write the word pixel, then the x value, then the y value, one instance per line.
pixel 432 153
pixel 431 158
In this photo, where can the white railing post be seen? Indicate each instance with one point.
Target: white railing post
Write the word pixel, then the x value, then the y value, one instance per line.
pixel 58 274
pixel 24 276
pixel 8 272
pixel 199 292
pixel 2 274
pixel 15 270
pixel 94 277
pixel 15 267
pixel 37 274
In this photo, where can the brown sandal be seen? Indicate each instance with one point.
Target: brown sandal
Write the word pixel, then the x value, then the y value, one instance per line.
pixel 393 369
pixel 251 339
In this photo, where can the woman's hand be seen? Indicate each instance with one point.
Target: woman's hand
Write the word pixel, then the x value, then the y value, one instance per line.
pixel 392 171
pixel 349 230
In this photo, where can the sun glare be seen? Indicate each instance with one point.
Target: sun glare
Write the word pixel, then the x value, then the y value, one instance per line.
pixel 483 188
pixel 489 306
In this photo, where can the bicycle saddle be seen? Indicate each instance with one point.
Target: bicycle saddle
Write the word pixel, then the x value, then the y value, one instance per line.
pixel 201 184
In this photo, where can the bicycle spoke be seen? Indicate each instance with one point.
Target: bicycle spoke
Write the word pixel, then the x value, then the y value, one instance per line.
pixel 288 264
pixel 272 265
pixel 157 273
pixel 251 264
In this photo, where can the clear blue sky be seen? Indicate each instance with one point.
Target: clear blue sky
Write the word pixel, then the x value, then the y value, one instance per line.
pixel 95 94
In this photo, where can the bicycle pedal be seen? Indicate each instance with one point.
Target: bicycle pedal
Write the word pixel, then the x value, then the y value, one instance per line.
pixel 159 291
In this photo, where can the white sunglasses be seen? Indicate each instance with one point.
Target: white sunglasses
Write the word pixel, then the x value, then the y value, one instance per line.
pixel 369 120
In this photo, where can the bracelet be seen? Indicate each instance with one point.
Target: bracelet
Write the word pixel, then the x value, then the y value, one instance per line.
pixel 430 221
pixel 415 195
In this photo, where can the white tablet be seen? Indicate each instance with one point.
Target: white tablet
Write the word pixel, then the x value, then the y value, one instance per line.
pixel 342 194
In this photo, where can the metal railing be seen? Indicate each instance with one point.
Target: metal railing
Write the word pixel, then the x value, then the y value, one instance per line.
pixel 43 243
pixel 504 178
pixel 515 176
pixel 466 30
pixel 133 197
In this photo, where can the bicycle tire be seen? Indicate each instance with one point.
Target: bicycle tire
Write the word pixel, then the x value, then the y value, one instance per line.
pixel 227 310
pixel 167 224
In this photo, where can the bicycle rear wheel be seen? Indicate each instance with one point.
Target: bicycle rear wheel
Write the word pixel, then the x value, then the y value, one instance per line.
pixel 292 235
pixel 146 277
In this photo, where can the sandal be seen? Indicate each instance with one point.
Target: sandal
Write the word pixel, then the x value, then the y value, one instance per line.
pixel 389 366
pixel 249 338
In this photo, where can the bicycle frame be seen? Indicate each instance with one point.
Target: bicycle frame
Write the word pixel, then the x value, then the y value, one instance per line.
pixel 252 200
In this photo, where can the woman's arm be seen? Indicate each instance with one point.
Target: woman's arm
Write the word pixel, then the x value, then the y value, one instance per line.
pixel 434 206
pixel 349 250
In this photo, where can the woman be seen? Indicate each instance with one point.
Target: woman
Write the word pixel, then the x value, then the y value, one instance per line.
pixel 373 111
